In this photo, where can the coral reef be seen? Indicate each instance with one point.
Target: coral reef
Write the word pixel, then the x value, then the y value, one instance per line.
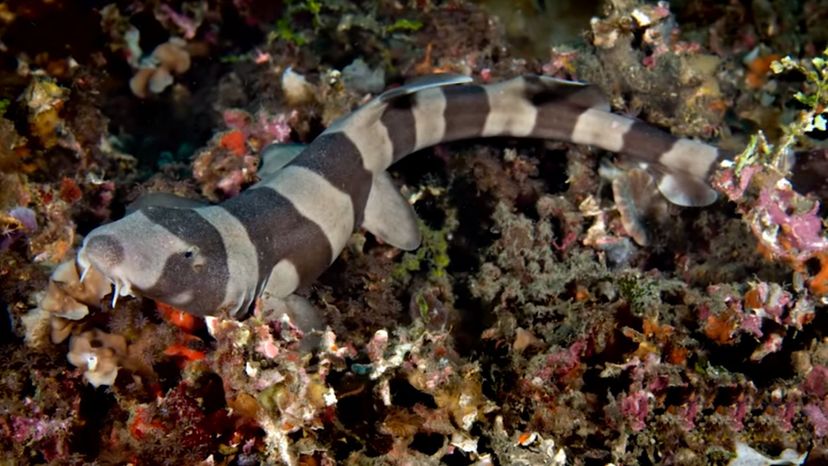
pixel 558 311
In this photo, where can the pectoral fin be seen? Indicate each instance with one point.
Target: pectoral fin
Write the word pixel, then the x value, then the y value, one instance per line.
pixel 303 314
pixel 389 217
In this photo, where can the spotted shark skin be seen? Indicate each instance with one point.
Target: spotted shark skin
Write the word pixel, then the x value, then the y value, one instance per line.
pixel 283 232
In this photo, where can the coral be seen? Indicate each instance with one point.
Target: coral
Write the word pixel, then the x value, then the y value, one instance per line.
pixel 181 424
pixel 287 397
pixel 11 150
pixel 19 222
pixel 526 289
pixel 97 354
pixel 669 80
pixel 68 294
pixel 231 159
pixel 360 78
pixel 187 21
pixel 296 88
pixel 45 99
pixel 815 388
pixel 156 72
pixel 763 302
pixel 43 424
pixel 65 301
pixel 786 224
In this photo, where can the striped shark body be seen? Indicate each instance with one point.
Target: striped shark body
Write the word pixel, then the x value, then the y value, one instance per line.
pixel 284 231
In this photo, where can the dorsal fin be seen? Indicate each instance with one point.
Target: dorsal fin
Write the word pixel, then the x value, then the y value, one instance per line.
pixel 389 217
pixel 421 83
pixel 162 199
pixel 372 111
pixel 276 156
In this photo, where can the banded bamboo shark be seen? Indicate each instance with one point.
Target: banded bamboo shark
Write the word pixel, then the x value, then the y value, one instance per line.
pixel 284 231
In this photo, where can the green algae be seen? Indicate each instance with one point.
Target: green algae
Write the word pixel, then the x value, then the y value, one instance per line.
pixel 432 256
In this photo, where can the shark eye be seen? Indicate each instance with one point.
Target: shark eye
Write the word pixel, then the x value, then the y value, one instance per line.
pixel 190 252
pixel 196 260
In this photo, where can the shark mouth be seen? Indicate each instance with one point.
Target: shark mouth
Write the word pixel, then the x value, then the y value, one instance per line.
pixel 122 286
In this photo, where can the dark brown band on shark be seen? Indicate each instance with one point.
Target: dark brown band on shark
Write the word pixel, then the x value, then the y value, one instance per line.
pixel 556 121
pixel 646 143
pixel 398 119
pixel 336 158
pixel 278 231
pixel 467 108
pixel 204 276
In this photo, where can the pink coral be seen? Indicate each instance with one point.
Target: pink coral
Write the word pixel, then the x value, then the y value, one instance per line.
pixel 635 407
pixel 236 118
pixel 738 411
pixel 50 433
pixel 688 413
pixel 752 324
pixel 266 345
pixel 19 222
pixel 187 25
pixel 231 184
pixel 816 384
pixel 27 429
pixel 817 417
pixel 377 346
pixel 786 224
pixel 733 184
pixel 274 128
pixel 563 365
pixel 785 415
pixel 266 128
pixel 801 225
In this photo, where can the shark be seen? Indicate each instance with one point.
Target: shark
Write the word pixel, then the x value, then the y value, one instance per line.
pixel 283 232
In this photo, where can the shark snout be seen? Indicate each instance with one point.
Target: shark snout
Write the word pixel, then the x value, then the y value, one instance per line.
pixel 103 251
